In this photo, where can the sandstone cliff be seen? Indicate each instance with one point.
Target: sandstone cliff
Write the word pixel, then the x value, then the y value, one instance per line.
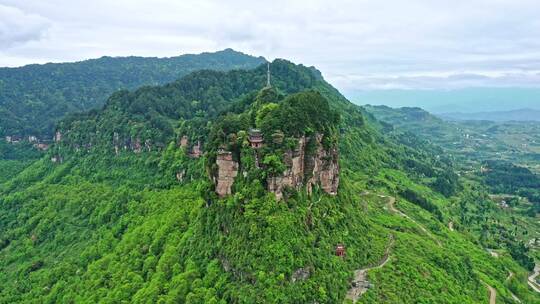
pixel 308 165
pixel 227 172
pixel 319 167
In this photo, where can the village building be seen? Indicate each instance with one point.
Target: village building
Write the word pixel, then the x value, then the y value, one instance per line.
pixel 340 250
pixel 15 139
pixel 8 139
pixel 32 138
pixel 255 138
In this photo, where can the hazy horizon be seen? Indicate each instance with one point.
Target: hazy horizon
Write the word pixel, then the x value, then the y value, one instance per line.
pixel 467 100
pixel 430 51
pixel 437 101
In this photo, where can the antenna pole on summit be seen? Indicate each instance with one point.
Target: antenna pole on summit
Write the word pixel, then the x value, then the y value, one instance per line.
pixel 268 85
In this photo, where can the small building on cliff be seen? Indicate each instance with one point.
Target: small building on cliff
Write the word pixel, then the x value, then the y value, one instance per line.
pixel 255 138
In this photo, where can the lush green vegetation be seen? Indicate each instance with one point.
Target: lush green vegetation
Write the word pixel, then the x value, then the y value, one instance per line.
pixel 34 97
pixel 15 157
pixel 469 142
pixel 504 177
pixel 494 160
pixel 117 226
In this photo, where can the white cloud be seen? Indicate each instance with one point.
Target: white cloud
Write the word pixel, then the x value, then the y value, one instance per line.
pixel 356 44
pixel 18 27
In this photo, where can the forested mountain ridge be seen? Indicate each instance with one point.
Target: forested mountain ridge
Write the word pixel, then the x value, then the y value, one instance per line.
pixel 34 97
pixel 152 113
pixel 124 209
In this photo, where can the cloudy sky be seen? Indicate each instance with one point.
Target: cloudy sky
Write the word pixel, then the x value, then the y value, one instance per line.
pixel 412 44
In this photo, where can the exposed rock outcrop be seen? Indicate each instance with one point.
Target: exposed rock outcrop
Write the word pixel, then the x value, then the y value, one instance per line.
pixel 308 165
pixel 42 146
pixel 57 159
pixel 180 175
pixel 58 136
pixel 325 168
pixel 148 145
pixel 184 142
pixel 321 167
pixel 137 148
pixel 293 177
pixel 227 172
pixel 116 143
pixel 301 274
pixel 196 152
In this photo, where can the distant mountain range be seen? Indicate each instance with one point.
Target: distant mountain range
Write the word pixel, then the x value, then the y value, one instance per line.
pixel 513 115
pixel 34 97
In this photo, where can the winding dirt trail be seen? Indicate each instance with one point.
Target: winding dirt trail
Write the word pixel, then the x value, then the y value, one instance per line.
pixel 508 278
pixel 360 283
pixel 492 294
pixel 510 275
pixel 392 207
pixel 532 279
pixel 492 252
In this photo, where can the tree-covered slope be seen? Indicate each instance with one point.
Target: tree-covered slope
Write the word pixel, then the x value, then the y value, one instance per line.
pixel 14 158
pixel 110 225
pixel 34 97
pixel 417 121
pixel 497 158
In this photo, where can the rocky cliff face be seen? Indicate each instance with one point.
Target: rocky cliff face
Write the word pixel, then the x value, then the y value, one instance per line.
pixel 325 169
pixel 316 167
pixel 227 172
pixel 293 177
pixel 319 167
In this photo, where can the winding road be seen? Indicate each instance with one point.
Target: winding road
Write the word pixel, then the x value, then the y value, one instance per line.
pixel 532 279
pixel 508 278
pixel 360 283
pixel 492 294
pixel 392 207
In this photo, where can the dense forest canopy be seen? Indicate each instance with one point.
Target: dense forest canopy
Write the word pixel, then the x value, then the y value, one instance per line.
pixel 90 223
pixel 34 97
pixel 153 113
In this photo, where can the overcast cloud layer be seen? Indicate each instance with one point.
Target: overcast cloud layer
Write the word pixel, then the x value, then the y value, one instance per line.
pixel 356 44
